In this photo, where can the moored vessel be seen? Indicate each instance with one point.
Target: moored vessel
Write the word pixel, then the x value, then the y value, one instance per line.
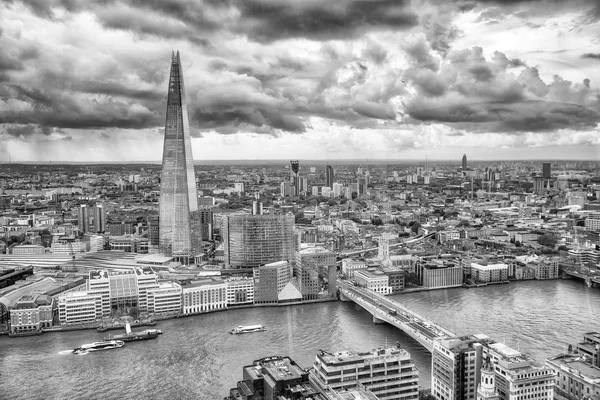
pixel 247 329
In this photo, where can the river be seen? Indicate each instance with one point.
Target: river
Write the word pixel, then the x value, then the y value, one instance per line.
pixel 197 358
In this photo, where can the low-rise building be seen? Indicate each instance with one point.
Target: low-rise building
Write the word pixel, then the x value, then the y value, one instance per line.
pixel 201 296
pixel 375 281
pixel 575 378
pixel 28 249
pixel 165 299
pixel 79 307
pixel 32 313
pixel 240 290
pixel 349 267
pixel 389 373
pixel 489 273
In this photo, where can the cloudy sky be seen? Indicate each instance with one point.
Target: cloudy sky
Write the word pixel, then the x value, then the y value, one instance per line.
pixel 84 80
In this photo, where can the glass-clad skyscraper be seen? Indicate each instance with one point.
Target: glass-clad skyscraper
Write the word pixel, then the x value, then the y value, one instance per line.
pixel 179 222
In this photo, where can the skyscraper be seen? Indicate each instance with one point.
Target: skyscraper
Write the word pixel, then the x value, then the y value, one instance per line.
pixel 99 218
pixel 83 219
pixel 546 168
pixel 295 176
pixel 329 176
pixel 464 162
pixel 179 222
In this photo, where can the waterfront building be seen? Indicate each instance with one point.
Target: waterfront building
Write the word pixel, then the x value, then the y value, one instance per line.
pixel 395 277
pixel 165 299
pixel 590 347
pixel 146 279
pixel 486 390
pixel 253 240
pixel 437 274
pixel 490 273
pixel 79 307
pixel 207 295
pixel 32 313
pixel 575 378
pixel 314 266
pixel 456 367
pixel 179 230
pixel 329 176
pixel 375 281
pixel 389 372
pixel 349 267
pixel 240 290
pixel 518 375
pixel 274 378
pixel 273 284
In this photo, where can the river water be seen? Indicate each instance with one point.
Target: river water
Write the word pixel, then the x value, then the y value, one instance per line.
pixel 196 357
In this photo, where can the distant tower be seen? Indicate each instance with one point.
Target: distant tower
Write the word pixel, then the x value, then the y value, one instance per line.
pixel 180 230
pixel 546 170
pixel 83 219
pixel 295 176
pixel 99 218
pixel 329 176
pixel 464 162
pixel 486 390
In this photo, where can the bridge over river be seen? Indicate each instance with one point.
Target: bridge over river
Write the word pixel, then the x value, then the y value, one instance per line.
pixel 387 310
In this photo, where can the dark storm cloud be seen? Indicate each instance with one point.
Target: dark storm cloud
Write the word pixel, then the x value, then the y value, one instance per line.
pixel 243 117
pixel 116 89
pixel 374 110
pixel 524 116
pixel 593 56
pixel 268 21
pixel 48 109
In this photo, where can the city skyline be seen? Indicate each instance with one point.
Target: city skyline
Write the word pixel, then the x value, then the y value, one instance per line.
pixel 380 80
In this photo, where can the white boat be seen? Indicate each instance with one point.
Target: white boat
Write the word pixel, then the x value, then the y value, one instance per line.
pixel 247 329
pixel 97 346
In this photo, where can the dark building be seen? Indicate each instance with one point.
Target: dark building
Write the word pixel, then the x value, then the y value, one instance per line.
pixel 464 162
pixel 546 168
pixel 206 219
pixel 99 218
pixel 329 176
pixel 273 378
pixel 295 176
pixel 153 230
pixel 120 229
pixel 83 219
pixel 180 229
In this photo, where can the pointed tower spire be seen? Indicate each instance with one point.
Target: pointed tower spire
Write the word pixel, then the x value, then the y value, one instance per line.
pixel 179 221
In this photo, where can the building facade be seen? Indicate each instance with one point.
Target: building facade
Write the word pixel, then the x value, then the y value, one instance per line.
pixel 240 290
pixel 180 230
pixel 32 313
pixel 204 296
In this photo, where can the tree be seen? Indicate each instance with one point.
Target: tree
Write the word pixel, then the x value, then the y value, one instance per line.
pixel 464 222
pixel 547 240
pixel 376 221
pixel 415 226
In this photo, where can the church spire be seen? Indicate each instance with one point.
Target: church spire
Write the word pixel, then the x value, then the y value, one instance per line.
pixel 486 390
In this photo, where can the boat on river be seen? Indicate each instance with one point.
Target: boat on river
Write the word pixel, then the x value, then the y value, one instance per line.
pixel 97 346
pixel 247 329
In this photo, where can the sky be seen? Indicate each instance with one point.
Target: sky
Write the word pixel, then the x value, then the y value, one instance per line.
pixel 86 81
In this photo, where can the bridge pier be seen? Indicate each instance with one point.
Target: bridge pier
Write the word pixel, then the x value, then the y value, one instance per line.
pixel 343 297
pixel 378 321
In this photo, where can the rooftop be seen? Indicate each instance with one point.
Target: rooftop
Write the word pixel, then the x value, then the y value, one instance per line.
pixel 279 368
pixel 351 355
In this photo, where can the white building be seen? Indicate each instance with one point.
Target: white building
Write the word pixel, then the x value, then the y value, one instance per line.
pixel 67 247
pixel 337 189
pixel 240 290
pixel 489 273
pixel 349 267
pixel 376 282
pixel 387 372
pixel 166 298
pixel 79 307
pixel 205 295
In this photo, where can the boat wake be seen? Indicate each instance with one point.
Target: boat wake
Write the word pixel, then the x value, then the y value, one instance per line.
pixel 62 352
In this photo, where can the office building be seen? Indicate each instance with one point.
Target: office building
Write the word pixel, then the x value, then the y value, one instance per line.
pixel 240 290
pixel 99 218
pixel 546 170
pixel 206 220
pixel 349 267
pixel 490 273
pixel 295 176
pixel 456 367
pixel 204 296
pixel 165 299
pixel 575 378
pixel 375 281
pixel 179 230
pixel 437 274
pixel 274 378
pixel 518 376
pixel 590 347
pixel 273 284
pixel 83 218
pixel 338 189
pixel 80 307
pixel 314 267
pixel 387 372
pixel 329 176
pixel 153 230
pixel 31 313
pixel 253 240
pixel 464 162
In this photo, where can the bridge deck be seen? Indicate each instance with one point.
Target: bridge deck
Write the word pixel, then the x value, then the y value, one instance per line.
pixel 394 313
